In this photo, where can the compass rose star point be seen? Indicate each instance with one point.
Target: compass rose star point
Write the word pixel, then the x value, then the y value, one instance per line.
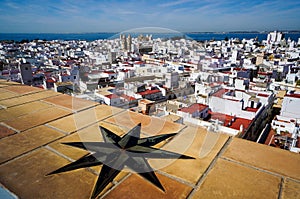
pixel 117 152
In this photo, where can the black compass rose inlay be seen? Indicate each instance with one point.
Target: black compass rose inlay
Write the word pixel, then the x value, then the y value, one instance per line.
pixel 117 152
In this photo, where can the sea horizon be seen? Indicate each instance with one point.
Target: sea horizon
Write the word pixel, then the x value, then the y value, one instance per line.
pixel 198 36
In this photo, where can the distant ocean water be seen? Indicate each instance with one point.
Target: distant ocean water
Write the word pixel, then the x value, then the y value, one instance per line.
pixel 95 36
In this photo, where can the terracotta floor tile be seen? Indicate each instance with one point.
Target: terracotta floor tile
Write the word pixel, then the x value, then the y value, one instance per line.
pixel 4 131
pixel 231 180
pixel 4 94
pixel 72 103
pixel 84 118
pixel 116 180
pixel 269 158
pixel 104 111
pixel 26 177
pixel 27 98
pixel 137 187
pixel 194 142
pixel 20 143
pixel 37 118
pixel 150 125
pixel 22 89
pixel 16 111
pixel 89 134
pixel 75 121
pixel 16 101
pixel 291 190
pixel 5 83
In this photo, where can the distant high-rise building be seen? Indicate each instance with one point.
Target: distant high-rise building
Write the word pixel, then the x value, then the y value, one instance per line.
pixel 123 42
pixel 275 37
pixel 129 42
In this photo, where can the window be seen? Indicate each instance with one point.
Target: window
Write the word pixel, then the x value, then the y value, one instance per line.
pixel 74 77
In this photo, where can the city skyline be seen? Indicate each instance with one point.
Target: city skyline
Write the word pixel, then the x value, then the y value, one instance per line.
pixel 116 16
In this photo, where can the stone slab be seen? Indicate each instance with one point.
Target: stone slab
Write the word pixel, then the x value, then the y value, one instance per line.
pixel 194 142
pixel 16 111
pixel 21 143
pixel 89 134
pixel 291 189
pixel 265 157
pixel 26 177
pixel 4 131
pixel 22 89
pixel 71 103
pixel 37 118
pixel 4 94
pixel 150 125
pixel 231 180
pixel 137 187
pixel 27 98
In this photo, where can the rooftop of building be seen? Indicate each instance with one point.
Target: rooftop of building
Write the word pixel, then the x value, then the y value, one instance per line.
pixel 230 121
pixel 194 108
pixel 34 123
pixel 149 92
pixel 293 95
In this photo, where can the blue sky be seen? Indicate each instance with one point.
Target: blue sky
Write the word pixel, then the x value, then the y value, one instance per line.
pixel 70 16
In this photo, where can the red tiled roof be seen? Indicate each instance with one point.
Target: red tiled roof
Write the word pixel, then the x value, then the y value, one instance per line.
pixel 193 108
pixel 148 92
pixel 239 69
pixel 40 86
pixel 109 72
pixel 251 109
pixel 295 95
pixel 50 80
pixel 112 96
pixel 220 93
pixel 124 70
pixel 128 98
pixel 262 95
pixel 270 138
pixel 236 124
pixel 264 73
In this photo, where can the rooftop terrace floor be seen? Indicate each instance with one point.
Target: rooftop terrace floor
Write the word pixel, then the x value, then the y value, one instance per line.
pixel 34 123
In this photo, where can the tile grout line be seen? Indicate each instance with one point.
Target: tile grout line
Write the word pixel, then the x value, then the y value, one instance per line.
pixel 59 153
pixel 281 188
pixel 9 127
pixel 211 165
pixel 292 179
pixel 176 178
